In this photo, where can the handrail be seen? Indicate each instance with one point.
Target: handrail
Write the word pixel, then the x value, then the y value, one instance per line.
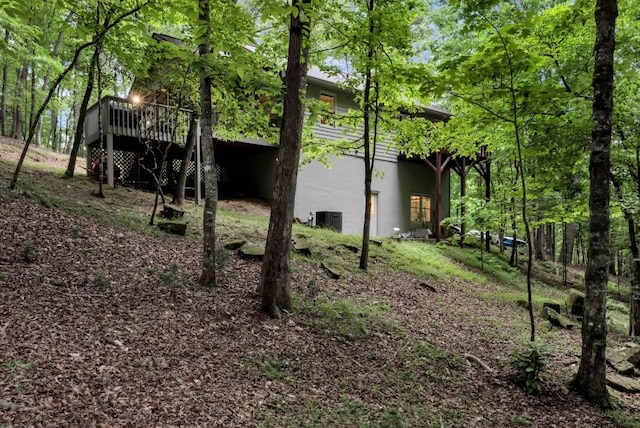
pixel 145 121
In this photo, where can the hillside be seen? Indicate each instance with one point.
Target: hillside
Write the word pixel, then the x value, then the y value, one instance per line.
pixel 103 324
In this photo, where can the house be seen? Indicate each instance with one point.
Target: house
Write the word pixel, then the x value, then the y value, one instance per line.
pixel 408 193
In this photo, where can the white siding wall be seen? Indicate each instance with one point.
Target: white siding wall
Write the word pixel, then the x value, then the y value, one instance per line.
pixel 341 189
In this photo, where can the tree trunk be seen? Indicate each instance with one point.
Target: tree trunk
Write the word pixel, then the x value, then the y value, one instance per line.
pixel 5 91
pixel 539 239
pixel 208 275
pixel 32 103
pixel 181 182
pixel 16 130
pixel 45 83
pixel 590 380
pixel 276 274
pixel 54 130
pixel 368 158
pixel 77 139
pixel 568 239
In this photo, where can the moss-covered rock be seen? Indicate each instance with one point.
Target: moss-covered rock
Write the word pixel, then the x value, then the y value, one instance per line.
pixel 334 271
pixel 302 246
pixel 630 353
pixel 252 250
pixel 175 227
pixel 575 302
pixel 234 245
pixel 624 384
pixel 558 320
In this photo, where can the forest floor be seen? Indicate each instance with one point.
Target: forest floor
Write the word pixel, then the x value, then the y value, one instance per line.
pixel 102 323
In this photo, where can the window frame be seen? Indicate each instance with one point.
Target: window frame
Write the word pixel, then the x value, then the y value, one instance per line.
pixel 327 119
pixel 421 196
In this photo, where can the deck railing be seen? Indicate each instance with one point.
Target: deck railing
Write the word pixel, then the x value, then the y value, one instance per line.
pixel 145 121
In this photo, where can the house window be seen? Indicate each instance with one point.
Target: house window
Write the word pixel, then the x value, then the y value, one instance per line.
pixel 421 208
pixel 326 116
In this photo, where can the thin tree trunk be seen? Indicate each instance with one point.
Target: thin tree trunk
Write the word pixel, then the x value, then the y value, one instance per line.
pixel 568 239
pixel 208 275
pixel 590 380
pixel 32 103
pixel 181 182
pixel 45 83
pixel 5 91
pixel 368 158
pixel 276 273
pixel 77 139
pixel 16 130
pixel 54 130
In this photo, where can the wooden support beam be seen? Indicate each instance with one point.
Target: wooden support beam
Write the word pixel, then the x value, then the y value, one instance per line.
pixel 110 179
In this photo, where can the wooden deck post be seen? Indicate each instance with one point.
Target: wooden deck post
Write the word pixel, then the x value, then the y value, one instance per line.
pixel 110 179
pixel 437 169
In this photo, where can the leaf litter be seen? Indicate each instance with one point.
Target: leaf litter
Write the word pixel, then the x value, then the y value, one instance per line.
pixel 95 338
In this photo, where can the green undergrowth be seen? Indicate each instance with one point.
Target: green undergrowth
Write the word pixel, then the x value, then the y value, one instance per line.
pixel 347 320
pixel 309 412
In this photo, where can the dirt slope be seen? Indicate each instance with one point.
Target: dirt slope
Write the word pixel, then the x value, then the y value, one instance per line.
pixel 102 326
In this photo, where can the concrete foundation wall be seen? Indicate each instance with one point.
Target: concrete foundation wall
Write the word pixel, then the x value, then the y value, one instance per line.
pixel 341 189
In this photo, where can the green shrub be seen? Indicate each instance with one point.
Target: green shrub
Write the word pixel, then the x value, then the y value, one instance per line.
pixel 529 365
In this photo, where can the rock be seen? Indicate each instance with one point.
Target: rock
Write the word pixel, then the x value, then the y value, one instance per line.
pixel 427 287
pixel 234 245
pixel 575 302
pixel 172 212
pixel 630 353
pixel 334 272
pixel 624 368
pixel 177 228
pixel 624 384
pixel 558 320
pixel 252 250
pixel 351 248
pixel 302 246
pixel 375 241
pixel 553 305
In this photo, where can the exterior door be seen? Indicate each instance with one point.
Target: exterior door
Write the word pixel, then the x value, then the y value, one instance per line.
pixel 373 227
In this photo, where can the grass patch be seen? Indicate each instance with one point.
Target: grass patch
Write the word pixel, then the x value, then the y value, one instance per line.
pixel 624 419
pixel 13 365
pixel 270 367
pixel 348 320
pixel 427 260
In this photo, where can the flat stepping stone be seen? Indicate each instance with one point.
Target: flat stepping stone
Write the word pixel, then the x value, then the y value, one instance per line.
pixel 251 250
pixel 234 245
pixel 630 353
pixel 172 211
pixel 558 320
pixel 625 368
pixel 426 286
pixel 302 246
pixel 334 272
pixel 177 228
pixel 351 248
pixel 624 384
